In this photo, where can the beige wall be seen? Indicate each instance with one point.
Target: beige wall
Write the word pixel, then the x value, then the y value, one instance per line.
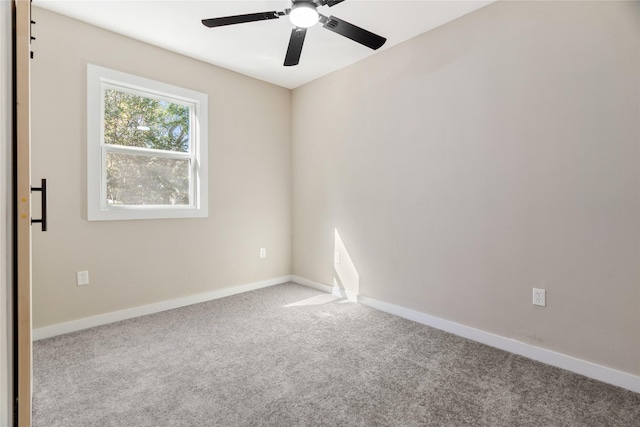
pixel 133 263
pixel 492 155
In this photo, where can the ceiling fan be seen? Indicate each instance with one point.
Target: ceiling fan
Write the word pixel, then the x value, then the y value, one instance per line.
pixel 304 14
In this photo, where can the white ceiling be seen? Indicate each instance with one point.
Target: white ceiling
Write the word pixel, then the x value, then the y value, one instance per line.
pixel 257 49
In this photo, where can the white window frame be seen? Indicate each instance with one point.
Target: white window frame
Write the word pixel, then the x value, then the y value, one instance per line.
pixel 98 80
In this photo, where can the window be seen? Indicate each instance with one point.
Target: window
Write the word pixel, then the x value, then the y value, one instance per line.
pixel 146 148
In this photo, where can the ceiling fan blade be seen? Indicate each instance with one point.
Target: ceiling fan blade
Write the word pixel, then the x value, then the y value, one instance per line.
pixel 295 46
pixel 352 32
pixel 331 3
pixel 240 19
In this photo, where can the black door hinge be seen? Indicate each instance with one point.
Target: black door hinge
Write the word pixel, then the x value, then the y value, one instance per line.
pixel 31 38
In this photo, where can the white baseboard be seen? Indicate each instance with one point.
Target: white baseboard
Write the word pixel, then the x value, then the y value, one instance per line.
pixel 579 366
pixel 130 313
pixel 311 284
pixel 334 290
pixel 343 293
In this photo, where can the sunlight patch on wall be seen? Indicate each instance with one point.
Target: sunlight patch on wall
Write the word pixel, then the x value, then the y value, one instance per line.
pixel 346 280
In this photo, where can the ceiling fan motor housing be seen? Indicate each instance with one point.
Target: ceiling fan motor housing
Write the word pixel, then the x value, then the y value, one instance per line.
pixel 316 3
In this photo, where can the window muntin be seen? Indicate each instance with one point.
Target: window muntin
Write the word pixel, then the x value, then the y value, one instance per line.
pixel 146 148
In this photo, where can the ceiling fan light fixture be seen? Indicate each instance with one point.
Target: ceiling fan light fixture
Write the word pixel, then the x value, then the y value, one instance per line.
pixel 304 14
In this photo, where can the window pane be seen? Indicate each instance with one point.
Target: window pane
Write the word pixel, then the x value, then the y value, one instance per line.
pixel 138 121
pixel 144 180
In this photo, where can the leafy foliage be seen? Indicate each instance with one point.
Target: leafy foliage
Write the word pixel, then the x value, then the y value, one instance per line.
pixel 145 180
pixel 142 178
pixel 124 112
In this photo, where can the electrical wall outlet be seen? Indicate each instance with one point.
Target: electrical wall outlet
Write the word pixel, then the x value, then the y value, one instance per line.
pixel 82 278
pixel 539 297
pixel 263 252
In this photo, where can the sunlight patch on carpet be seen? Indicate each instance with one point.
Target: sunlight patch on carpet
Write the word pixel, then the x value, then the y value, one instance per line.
pixel 315 300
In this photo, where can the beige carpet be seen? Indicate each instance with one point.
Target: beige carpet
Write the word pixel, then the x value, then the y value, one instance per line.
pixel 292 356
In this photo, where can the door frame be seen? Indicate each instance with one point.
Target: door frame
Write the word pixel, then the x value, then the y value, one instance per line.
pixel 22 211
pixel 6 219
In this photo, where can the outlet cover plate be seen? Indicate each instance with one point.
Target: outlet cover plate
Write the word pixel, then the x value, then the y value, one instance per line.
pixel 82 278
pixel 539 297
